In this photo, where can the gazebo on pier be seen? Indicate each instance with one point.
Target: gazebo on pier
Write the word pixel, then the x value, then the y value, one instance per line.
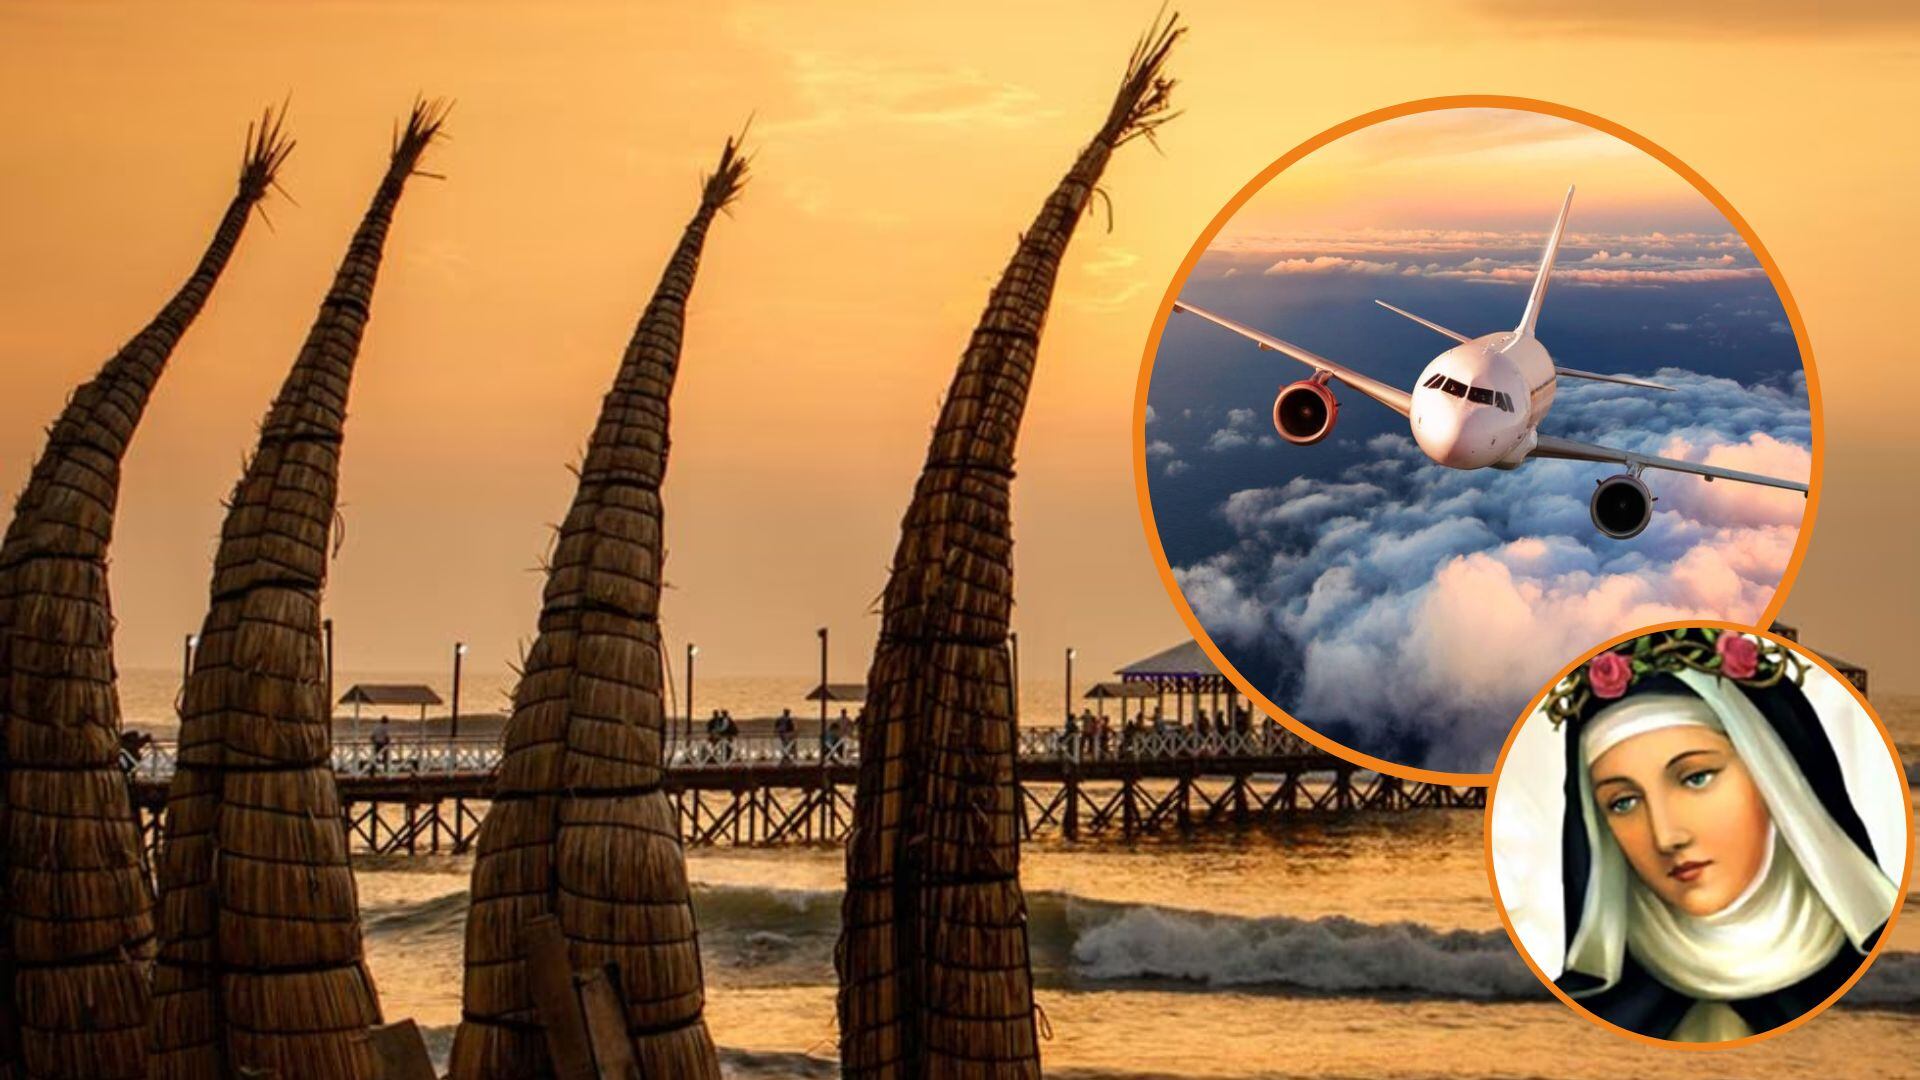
pixel 384 695
pixel 410 695
pixel 1101 693
pixel 842 692
pixel 1185 672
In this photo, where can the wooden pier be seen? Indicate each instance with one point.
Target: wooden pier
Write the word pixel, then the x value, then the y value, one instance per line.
pixel 415 800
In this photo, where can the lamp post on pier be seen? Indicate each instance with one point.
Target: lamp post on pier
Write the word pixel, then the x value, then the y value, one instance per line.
pixel 190 643
pixel 453 725
pixel 687 739
pixel 326 636
pixel 1013 662
pixel 1071 653
pixel 823 698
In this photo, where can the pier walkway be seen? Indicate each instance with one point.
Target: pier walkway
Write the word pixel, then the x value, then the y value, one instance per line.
pixel 428 796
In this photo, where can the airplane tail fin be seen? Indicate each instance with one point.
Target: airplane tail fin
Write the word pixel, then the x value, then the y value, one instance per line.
pixel 1428 323
pixel 1531 316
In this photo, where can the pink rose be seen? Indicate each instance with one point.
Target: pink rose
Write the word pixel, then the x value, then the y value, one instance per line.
pixel 1609 674
pixel 1739 655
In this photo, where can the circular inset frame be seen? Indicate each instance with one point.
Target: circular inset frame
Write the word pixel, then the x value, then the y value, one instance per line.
pixel 1246 192
pixel 1873 954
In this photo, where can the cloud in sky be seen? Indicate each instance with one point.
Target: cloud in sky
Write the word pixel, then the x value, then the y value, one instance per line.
pixel 1649 258
pixel 1661 19
pixel 1243 429
pixel 861 93
pixel 1565 276
pixel 1411 610
pixel 1322 264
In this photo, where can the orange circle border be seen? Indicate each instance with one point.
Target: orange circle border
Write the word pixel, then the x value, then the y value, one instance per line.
pixel 1260 180
pixel 1873 954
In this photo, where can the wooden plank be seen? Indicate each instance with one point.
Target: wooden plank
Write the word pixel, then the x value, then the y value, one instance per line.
pixel 550 973
pixel 402 1052
pixel 607 1028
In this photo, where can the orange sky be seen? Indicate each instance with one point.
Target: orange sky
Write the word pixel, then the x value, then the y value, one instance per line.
pixel 1500 170
pixel 898 154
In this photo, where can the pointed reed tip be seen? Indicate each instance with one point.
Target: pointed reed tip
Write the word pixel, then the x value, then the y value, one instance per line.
pixel 426 122
pixel 1143 104
pixel 722 187
pixel 267 147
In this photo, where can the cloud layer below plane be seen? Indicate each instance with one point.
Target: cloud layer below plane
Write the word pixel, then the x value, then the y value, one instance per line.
pixel 1411 611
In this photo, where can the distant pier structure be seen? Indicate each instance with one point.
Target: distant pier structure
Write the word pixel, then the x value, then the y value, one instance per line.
pixel 1127 777
pixel 1854 673
pixel 1158 768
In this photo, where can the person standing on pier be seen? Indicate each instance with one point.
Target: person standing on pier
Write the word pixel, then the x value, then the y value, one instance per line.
pixel 382 747
pixel 784 728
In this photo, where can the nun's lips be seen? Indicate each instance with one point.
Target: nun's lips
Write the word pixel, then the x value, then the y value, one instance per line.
pixel 1688 872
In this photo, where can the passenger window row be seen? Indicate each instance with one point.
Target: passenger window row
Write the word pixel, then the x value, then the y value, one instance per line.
pixel 1479 395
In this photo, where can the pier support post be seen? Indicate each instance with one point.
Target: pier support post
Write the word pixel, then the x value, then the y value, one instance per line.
pixel 1070 818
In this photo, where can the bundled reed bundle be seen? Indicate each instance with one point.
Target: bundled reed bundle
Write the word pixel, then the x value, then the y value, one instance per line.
pixel 579 828
pixel 76 918
pixel 934 972
pixel 259 969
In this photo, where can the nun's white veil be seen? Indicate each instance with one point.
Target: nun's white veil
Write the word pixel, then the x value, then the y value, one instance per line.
pixel 1816 892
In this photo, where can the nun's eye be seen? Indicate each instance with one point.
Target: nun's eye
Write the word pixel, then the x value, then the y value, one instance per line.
pixel 1700 779
pixel 1624 804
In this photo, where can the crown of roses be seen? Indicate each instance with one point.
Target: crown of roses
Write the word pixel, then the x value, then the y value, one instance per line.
pixel 1753 662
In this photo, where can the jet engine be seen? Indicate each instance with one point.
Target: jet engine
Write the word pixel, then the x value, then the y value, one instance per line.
pixel 1621 506
pixel 1304 412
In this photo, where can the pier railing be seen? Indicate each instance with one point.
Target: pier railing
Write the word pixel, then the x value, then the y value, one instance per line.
pixel 408 795
pixel 481 754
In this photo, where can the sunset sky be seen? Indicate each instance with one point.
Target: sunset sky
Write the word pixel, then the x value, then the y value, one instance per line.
pixel 898 154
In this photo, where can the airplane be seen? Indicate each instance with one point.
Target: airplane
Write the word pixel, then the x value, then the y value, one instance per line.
pixel 1480 403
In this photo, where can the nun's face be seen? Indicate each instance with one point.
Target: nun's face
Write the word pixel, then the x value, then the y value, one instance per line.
pixel 1686 812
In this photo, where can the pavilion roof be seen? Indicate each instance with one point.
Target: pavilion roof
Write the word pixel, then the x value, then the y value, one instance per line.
pixel 390 694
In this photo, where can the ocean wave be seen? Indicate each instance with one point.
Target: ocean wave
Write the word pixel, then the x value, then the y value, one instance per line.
pixel 753 935
pixel 413 923
pixel 1332 955
pixel 1892 982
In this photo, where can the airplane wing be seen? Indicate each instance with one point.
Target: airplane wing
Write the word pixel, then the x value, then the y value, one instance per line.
pixel 1624 380
pixel 1552 447
pixel 1392 397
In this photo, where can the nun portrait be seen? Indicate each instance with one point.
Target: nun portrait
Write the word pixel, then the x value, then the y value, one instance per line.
pixel 1728 853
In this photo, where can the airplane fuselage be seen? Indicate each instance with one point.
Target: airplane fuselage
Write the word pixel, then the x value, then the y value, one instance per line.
pixel 1480 403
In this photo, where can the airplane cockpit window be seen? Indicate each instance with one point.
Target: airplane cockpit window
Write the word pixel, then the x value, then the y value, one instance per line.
pixel 1479 395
